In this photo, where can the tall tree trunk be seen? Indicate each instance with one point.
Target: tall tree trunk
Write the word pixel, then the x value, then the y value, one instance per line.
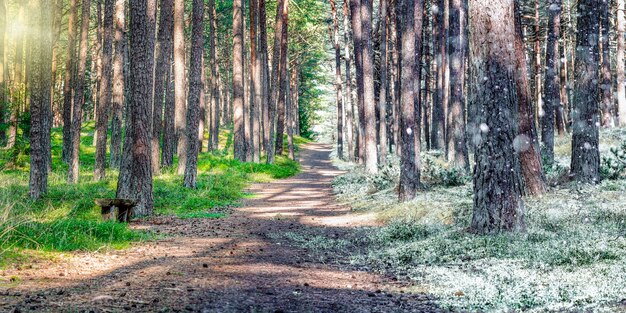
pixel 349 104
pixel 282 83
pixel 97 64
pixel 195 92
pixel 497 179
pixel 457 148
pixel 3 90
pixel 357 38
pixel 135 179
pixel 281 9
pixel 102 117
pixel 117 96
pixel 164 61
pixel 290 118
pixel 552 97
pixel 40 81
pixel 369 104
pixel 338 82
pixel 537 59
pixel 239 139
pixel 619 60
pixel 411 32
pixel 384 83
pixel 265 76
pixel 526 142
pixel 79 97
pixel 215 91
pixel 68 85
pixel 438 125
pixel 606 86
pixel 255 80
pixel 180 83
pixel 585 142
pixel 169 129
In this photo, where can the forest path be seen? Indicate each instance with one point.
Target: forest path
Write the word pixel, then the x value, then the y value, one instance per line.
pixel 242 263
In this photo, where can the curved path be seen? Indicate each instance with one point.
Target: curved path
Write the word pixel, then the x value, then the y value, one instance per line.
pixel 242 263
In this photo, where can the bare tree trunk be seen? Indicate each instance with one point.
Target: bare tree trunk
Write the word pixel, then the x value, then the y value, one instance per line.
pixel 68 85
pixel 180 83
pixel 384 83
pixel 164 61
pixel 169 129
pixel 338 82
pixel 497 179
pixel 349 104
pixel 585 140
pixel 619 59
pixel 457 148
pixel 195 92
pixel 369 104
pixel 255 79
pixel 3 90
pixel 215 91
pixel 239 139
pixel 97 63
pixel 289 112
pixel 281 10
pixel 282 84
pixel 438 125
pixel 102 117
pixel 606 86
pixel 117 103
pixel 265 76
pixel 79 98
pixel 357 38
pixel 40 81
pixel 552 97
pixel 135 179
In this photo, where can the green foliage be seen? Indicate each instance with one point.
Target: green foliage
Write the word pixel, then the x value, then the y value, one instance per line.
pixel 435 172
pixel 613 166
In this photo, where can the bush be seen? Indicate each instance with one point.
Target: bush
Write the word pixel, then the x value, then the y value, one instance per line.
pixel 439 173
pixel 613 166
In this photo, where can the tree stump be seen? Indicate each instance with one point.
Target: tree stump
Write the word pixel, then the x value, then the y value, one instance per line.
pixel 116 209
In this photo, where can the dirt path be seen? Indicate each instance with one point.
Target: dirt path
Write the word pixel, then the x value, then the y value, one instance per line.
pixel 237 264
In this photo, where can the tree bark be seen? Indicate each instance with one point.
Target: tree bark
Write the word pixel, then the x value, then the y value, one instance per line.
pixel 357 38
pixel 169 129
pixel 79 97
pixel 117 97
pixel 195 92
pixel 552 96
pixel 180 83
pixel 457 148
pixel 619 60
pixel 255 80
pixel 239 139
pixel 606 86
pixel 438 125
pixel 68 85
pixel 265 75
pixel 384 84
pixel 349 104
pixel 282 82
pixel 585 112
pixel 102 117
pixel 164 60
pixel 135 179
pixel 369 104
pixel 281 10
pixel 215 91
pixel 411 31
pixel 338 82
pixel 40 82
pixel 498 186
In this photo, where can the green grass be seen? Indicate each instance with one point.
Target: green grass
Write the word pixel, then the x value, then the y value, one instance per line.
pixel 66 219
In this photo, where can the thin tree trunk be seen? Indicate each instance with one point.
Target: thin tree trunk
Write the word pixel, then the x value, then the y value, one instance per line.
pixel 169 129
pixel 552 97
pixel 281 10
pixel 180 83
pixel 338 82
pixel 68 85
pixel 164 61
pixel 3 90
pixel 289 112
pixel 357 38
pixel 606 86
pixel 255 82
pixel 457 148
pixel 585 165
pixel 102 117
pixel 135 179
pixel 97 63
pixel 349 104
pixel 265 76
pixel 369 104
pixel 497 179
pixel 117 97
pixel 79 98
pixel 195 93
pixel 40 81
pixel 619 59
pixel 215 91
pixel 438 125
pixel 384 83
pixel 282 83
pixel 239 139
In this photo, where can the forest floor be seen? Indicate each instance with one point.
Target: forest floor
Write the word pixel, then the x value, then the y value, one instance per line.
pixel 242 263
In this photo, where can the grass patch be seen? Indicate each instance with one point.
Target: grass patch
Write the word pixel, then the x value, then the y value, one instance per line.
pixel 571 258
pixel 66 219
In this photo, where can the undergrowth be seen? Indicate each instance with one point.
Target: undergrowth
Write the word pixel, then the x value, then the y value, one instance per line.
pixel 66 219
